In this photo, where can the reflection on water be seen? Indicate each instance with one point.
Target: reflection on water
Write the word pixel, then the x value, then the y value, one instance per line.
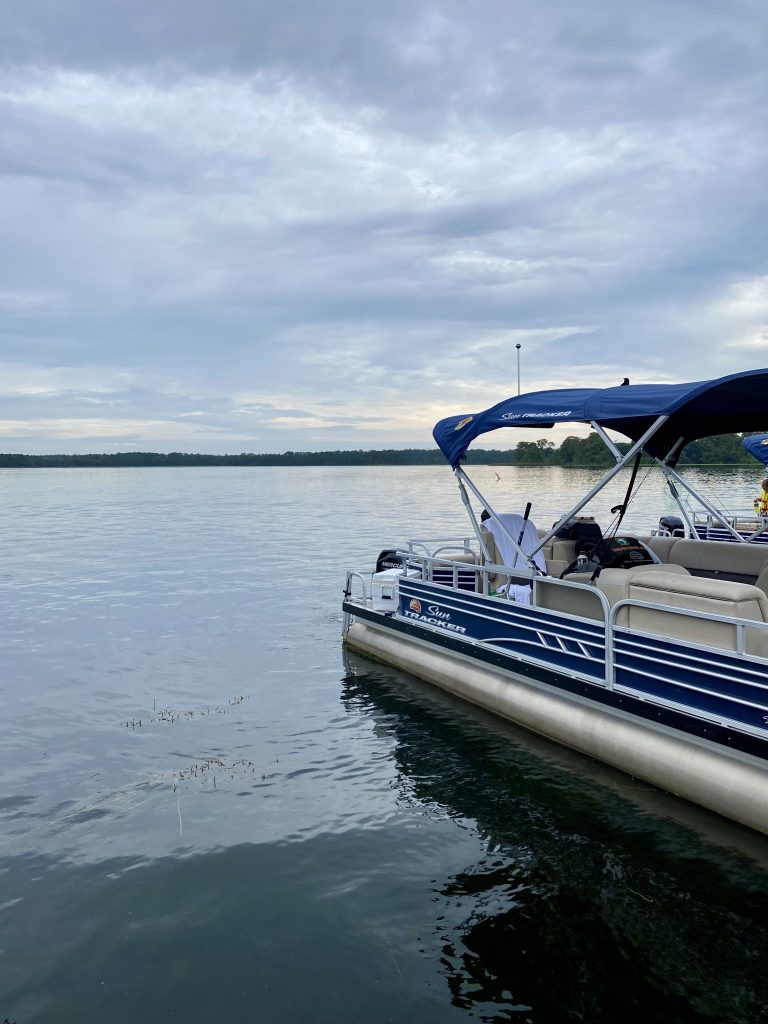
pixel 583 905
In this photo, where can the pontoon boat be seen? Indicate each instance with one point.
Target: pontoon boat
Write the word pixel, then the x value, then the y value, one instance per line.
pixel 648 653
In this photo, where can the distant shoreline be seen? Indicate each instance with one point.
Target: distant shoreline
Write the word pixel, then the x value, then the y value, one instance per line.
pixel 724 451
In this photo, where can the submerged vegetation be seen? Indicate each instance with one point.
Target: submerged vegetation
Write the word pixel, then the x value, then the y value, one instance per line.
pixel 723 450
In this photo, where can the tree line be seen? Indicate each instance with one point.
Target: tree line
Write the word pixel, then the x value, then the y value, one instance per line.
pixel 723 450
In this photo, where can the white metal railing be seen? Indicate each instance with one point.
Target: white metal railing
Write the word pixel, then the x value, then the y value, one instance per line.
pixel 741 624
pixel 613 637
pixel 747 524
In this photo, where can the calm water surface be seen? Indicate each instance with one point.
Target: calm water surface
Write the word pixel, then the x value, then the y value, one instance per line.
pixel 208 813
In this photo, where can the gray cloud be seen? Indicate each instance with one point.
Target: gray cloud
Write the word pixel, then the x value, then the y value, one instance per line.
pixel 244 227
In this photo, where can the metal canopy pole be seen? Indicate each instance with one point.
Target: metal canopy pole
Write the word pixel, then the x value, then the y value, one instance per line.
pixel 636 447
pixel 463 478
pixel 679 500
pixel 673 490
pixel 710 508
pixel 606 440
pixel 471 514
pixel 757 533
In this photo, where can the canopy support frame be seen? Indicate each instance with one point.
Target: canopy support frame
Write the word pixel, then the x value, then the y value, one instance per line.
pixel 669 472
pixel 664 463
pixel 676 495
pixel 463 479
pixel 471 511
pixel 623 461
pixel 606 440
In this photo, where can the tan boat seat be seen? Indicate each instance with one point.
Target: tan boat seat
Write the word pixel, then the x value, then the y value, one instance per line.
pixel 717 597
pixel 615 583
pixel 661 546
pixel 497 579
pixel 612 583
pixel 556 566
pixel 719 556
pixel 565 550
pixel 570 600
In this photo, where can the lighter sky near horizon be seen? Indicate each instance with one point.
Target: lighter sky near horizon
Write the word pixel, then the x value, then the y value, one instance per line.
pixel 307 226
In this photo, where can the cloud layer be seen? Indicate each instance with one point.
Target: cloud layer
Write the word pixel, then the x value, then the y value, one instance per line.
pixel 326 225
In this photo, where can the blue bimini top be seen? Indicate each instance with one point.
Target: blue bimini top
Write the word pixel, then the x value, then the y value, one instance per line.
pixel 757 445
pixel 737 402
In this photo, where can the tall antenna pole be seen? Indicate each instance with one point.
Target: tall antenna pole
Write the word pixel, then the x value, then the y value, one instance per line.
pixel 518 346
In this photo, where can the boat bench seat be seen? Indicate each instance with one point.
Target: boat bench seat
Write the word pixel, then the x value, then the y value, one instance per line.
pixel 617 583
pixel 716 597
pixel 740 562
pixel 673 587
pixel 614 584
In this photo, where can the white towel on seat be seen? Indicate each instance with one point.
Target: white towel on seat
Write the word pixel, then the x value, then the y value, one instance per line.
pixel 525 532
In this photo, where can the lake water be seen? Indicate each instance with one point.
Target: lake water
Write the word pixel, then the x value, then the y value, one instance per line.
pixel 209 813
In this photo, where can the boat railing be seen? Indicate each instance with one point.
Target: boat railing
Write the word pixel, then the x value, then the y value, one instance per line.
pixel 607 653
pixel 747 523
pixel 365 582
pixel 426 545
pixel 428 563
pixel 741 625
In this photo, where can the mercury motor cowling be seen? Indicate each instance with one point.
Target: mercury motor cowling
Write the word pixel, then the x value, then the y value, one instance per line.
pixel 389 559
pixel 672 525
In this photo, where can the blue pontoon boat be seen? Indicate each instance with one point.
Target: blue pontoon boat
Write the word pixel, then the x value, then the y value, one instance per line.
pixel 649 653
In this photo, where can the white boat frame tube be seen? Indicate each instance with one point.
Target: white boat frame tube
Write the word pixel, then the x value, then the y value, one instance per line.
pixel 621 461
pixel 734 785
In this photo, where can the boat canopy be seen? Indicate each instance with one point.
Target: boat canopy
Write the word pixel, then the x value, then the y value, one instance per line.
pixel 757 445
pixel 737 402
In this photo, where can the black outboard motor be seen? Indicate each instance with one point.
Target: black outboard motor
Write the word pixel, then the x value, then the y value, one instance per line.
pixel 672 525
pixel 389 559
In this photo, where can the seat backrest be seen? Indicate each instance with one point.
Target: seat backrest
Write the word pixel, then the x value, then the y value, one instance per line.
pixel 660 546
pixel 615 583
pixel 719 556
pixel 565 550
pixel 582 601
pixel 501 550
pixel 722 598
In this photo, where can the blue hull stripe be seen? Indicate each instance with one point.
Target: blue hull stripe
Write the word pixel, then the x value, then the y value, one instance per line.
pixel 620 699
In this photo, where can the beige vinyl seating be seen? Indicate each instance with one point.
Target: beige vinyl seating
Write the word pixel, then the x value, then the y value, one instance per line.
pixel 673 587
pixel 722 598
pixel 496 579
pixel 713 557
pixel 612 583
pixel 671 584
pixel 700 557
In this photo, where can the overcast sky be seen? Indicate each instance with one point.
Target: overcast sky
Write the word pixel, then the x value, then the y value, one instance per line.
pixel 251 226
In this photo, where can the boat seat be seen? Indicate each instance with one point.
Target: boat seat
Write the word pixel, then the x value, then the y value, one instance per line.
pixel 616 583
pixel 556 566
pixel 742 563
pixel 613 583
pixel 565 550
pixel 717 597
pixel 496 580
pixel 661 546
pixel 467 578
pixel 569 600
pixel 720 556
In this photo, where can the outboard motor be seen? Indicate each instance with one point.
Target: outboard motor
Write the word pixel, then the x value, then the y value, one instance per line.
pixel 673 525
pixel 389 559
